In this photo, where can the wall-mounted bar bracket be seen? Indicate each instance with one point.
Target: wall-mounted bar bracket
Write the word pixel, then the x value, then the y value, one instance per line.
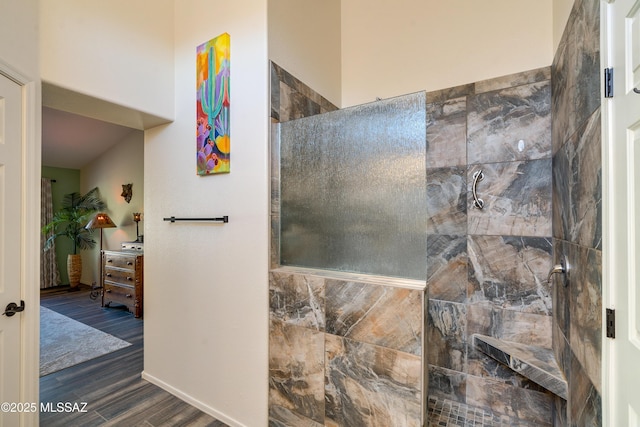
pixel 224 219
pixel 477 202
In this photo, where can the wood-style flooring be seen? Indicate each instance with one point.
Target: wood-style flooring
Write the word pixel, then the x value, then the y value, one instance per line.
pixel 111 385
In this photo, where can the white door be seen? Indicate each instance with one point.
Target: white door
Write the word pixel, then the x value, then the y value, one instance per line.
pixel 10 244
pixel 621 213
pixel 19 246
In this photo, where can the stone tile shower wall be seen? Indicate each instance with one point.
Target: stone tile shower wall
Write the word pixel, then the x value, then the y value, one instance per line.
pixel 345 351
pixel 487 268
pixel 577 214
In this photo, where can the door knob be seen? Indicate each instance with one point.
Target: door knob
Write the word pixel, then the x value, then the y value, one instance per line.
pixel 13 308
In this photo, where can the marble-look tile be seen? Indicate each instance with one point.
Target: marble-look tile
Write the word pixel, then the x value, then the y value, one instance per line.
pixel 275 91
pixel 447 201
pixel 274 248
pixel 511 272
pixel 297 300
pixel 511 124
pixel 560 412
pixel 296 370
pixel 529 407
pixel 563 356
pixel 292 99
pixel 561 350
pixel 576 71
pixel 447 262
pixel 512 80
pixel 587 32
pixel 577 212
pixel 446 94
pixel 447 384
pixel 447 133
pixel 517 199
pixel 274 167
pixel 346 276
pixel 371 385
pixel 577 189
pixel 447 333
pixel 481 365
pixel 532 329
pixel 561 293
pixel 274 148
pixel 294 105
pixel 563 86
pixel 381 315
pixel 534 362
pixel 283 417
pixel 585 404
pixel 586 311
pixel 509 325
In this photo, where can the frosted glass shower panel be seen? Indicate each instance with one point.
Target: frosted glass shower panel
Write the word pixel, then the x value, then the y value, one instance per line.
pixel 353 189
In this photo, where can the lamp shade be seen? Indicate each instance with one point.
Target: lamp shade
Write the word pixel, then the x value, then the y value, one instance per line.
pixel 100 220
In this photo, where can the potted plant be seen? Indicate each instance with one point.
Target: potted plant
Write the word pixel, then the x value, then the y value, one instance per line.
pixel 70 222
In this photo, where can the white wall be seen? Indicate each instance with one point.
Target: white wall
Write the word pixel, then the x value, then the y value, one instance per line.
pixel 206 285
pixel 121 164
pixel 304 39
pixel 118 50
pixel 19 36
pixel 412 45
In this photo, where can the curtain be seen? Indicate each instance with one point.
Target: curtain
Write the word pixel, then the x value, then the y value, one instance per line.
pixel 49 274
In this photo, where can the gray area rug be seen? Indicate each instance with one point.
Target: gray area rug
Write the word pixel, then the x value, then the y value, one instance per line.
pixel 66 342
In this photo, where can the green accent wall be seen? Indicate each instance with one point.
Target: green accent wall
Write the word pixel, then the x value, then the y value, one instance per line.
pixel 67 181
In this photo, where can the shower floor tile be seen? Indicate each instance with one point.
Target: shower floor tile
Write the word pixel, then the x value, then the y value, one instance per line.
pixel 448 413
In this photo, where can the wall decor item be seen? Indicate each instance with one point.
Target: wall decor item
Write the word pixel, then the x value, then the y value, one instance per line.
pixel 212 106
pixel 127 192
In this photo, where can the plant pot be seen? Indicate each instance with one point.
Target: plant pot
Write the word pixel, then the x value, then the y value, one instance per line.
pixel 74 269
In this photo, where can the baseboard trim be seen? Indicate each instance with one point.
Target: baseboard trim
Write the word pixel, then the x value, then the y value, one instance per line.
pixel 192 401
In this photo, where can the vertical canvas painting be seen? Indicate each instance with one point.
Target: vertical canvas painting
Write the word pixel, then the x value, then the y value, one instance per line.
pixel 212 106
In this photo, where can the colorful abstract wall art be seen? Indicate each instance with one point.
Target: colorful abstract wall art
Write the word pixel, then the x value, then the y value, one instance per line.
pixel 212 106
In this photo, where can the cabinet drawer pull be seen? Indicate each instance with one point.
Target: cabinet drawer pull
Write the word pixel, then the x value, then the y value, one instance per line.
pixel 129 263
pixel 128 295
pixel 108 274
pixel 109 260
pixel 129 278
pixel 108 291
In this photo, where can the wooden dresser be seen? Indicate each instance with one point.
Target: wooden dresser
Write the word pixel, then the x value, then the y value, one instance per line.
pixel 122 279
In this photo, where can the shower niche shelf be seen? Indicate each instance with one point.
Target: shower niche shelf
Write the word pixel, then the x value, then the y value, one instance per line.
pixel 536 363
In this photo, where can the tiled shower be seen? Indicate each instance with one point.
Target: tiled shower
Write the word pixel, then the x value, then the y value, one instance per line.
pixel 338 355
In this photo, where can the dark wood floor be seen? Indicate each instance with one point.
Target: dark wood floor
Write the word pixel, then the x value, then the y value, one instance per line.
pixel 110 385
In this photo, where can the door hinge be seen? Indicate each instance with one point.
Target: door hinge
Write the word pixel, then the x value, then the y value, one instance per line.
pixel 611 323
pixel 608 82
